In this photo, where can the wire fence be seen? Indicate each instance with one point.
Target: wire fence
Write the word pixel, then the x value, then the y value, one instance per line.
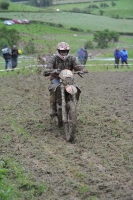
pixel 107 64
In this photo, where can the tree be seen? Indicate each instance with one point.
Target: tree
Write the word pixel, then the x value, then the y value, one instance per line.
pixel 104 5
pixel 4 5
pixel 29 48
pixel 89 44
pixel 101 12
pixel 9 37
pixel 44 3
pixel 93 6
pixel 113 3
pixel 40 3
pixel 104 37
pixel 76 10
pixel 17 0
pixel 115 36
pixel 33 3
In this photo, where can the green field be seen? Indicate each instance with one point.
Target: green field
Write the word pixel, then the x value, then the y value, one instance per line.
pixel 20 7
pixel 46 37
pixel 123 8
pixel 82 21
pixel 72 1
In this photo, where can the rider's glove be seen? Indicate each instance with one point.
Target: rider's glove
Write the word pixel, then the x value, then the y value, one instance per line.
pixel 85 71
pixel 46 73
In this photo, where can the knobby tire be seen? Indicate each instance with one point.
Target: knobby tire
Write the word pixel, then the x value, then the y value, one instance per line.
pixel 70 125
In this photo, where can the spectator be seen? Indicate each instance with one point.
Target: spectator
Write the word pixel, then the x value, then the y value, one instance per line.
pixel 124 57
pixel 86 55
pixel 6 53
pixel 15 55
pixel 81 55
pixel 117 57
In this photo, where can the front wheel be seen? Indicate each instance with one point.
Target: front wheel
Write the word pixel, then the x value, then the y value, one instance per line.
pixel 59 117
pixel 70 125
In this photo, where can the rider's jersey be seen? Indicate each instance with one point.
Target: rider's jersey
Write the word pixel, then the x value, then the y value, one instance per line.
pixel 70 63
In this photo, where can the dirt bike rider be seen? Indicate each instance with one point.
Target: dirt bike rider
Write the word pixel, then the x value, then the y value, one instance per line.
pixel 62 60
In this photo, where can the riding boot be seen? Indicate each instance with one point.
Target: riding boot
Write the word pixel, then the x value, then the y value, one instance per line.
pixel 53 110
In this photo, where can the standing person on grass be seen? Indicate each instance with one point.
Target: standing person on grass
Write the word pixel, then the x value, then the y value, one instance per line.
pixel 15 55
pixel 117 56
pixel 86 55
pixel 81 55
pixel 124 57
pixel 6 54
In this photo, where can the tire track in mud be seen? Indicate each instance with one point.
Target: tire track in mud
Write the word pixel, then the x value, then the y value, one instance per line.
pixel 99 163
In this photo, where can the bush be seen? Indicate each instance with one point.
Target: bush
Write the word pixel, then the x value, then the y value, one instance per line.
pixel 93 6
pixel 29 48
pixel 40 3
pixel 4 5
pixel 101 12
pixel 76 10
pixel 87 11
pixel 89 45
pixel 113 3
pixel 117 17
pixel 8 37
pixel 59 25
pixel 115 36
pixel 104 37
pixel 76 29
pixel 104 5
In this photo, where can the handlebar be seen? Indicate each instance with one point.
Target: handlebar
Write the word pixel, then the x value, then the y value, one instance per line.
pixel 53 71
pixel 47 72
pixel 80 72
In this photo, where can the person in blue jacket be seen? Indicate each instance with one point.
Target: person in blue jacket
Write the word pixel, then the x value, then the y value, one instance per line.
pixel 117 56
pixel 124 57
pixel 81 55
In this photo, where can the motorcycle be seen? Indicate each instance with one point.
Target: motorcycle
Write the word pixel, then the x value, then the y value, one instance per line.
pixel 67 95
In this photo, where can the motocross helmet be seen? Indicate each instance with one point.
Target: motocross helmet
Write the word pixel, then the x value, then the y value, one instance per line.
pixel 63 50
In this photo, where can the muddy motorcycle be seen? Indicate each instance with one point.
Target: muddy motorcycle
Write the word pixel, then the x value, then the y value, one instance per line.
pixel 66 95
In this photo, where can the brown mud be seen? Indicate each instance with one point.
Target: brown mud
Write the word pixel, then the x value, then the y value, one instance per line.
pixel 99 164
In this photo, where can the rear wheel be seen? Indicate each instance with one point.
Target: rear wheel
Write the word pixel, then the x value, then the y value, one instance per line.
pixel 70 125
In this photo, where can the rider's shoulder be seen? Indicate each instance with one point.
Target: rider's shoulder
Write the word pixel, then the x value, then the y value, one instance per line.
pixel 54 55
pixel 71 57
pixel 51 57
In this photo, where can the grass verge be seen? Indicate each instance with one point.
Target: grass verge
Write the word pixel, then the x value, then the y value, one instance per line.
pixel 16 182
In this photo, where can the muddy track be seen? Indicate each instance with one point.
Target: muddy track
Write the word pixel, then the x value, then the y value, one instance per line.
pixel 99 164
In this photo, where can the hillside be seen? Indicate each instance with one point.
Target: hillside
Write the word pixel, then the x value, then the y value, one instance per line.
pixel 121 8
pixel 85 22
pixel 72 1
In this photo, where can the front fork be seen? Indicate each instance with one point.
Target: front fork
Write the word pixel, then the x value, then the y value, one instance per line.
pixel 64 114
pixel 64 111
